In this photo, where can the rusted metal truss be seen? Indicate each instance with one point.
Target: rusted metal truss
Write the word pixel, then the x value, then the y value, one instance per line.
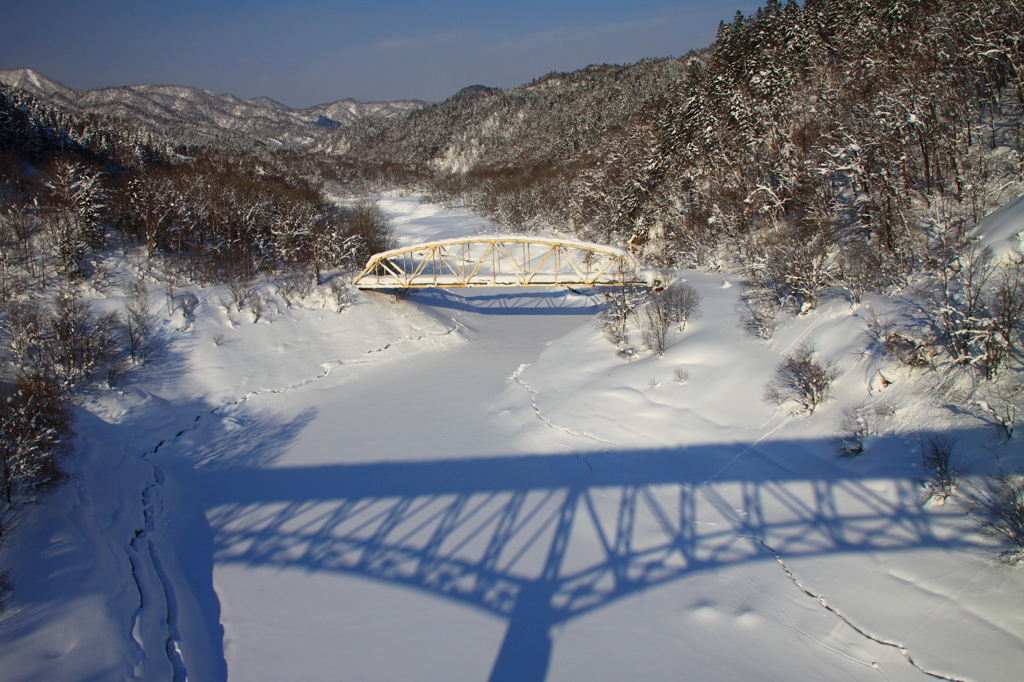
pixel 500 261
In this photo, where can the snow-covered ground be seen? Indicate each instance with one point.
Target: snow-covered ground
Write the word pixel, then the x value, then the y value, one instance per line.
pixel 475 486
pixel 1003 229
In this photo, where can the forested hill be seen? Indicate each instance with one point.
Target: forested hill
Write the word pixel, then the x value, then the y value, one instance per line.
pixel 841 143
pixel 554 119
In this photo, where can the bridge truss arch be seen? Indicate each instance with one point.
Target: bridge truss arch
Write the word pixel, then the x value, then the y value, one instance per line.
pixel 500 261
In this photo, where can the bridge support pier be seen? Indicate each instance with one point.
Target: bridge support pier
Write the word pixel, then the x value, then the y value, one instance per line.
pixel 526 650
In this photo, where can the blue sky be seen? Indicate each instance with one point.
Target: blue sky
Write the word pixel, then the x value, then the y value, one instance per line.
pixel 307 52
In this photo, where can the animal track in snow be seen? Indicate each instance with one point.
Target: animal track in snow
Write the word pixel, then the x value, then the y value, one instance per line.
pixel 533 401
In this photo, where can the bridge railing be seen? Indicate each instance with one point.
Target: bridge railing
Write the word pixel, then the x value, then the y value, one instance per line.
pixel 515 261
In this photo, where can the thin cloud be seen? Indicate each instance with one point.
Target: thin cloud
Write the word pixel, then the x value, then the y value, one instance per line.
pixel 443 40
pixel 435 65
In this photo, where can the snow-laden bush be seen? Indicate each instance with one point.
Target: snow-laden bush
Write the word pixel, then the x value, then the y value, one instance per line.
pixel 342 293
pixel 6 587
pixel 682 302
pixel 857 423
pixel 802 377
pixel 139 324
pixel 35 434
pixel 1001 402
pixel 65 340
pixel 662 310
pixel 975 306
pixel 655 324
pixel 619 306
pixel 295 286
pixel 35 438
pixel 761 312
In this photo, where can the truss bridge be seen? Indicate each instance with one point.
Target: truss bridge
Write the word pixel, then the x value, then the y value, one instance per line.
pixel 500 261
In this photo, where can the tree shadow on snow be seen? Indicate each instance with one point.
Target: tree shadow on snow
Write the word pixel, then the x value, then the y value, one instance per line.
pixel 242 441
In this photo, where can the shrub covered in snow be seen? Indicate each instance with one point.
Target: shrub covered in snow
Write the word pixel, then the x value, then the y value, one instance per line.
pixel 65 339
pixel 620 305
pixel 802 377
pixel 937 458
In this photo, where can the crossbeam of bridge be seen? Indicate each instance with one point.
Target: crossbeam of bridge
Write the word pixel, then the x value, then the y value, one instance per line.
pixel 500 261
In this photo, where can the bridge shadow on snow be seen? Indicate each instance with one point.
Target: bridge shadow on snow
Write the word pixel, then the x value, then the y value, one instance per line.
pixel 516 302
pixel 542 539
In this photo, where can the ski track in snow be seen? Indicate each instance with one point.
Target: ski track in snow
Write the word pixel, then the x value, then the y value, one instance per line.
pixel 142 545
pixel 133 630
pixel 152 506
pixel 806 634
pixel 767 435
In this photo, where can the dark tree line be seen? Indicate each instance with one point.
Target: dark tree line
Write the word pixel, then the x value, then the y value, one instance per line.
pixel 65 181
pixel 222 217
pixel 33 131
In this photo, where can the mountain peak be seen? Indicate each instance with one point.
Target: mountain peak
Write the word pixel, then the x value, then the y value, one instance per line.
pixel 475 91
pixel 35 83
pixel 268 102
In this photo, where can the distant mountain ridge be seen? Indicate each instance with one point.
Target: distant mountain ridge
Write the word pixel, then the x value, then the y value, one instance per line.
pixel 193 116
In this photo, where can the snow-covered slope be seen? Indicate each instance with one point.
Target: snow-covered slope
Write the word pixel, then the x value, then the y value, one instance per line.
pixel 1003 229
pixel 473 485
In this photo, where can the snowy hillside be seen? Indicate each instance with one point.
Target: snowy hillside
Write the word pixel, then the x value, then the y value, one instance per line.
pixel 1003 230
pixel 195 116
pixel 473 485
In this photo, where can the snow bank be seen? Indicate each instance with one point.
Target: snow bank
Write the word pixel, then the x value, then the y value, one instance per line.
pixel 1003 229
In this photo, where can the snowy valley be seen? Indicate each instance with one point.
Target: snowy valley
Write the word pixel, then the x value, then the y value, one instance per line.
pixel 474 484
pixel 789 450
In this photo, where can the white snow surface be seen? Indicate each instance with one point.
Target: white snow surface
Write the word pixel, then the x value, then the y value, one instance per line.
pixel 1003 229
pixel 475 486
